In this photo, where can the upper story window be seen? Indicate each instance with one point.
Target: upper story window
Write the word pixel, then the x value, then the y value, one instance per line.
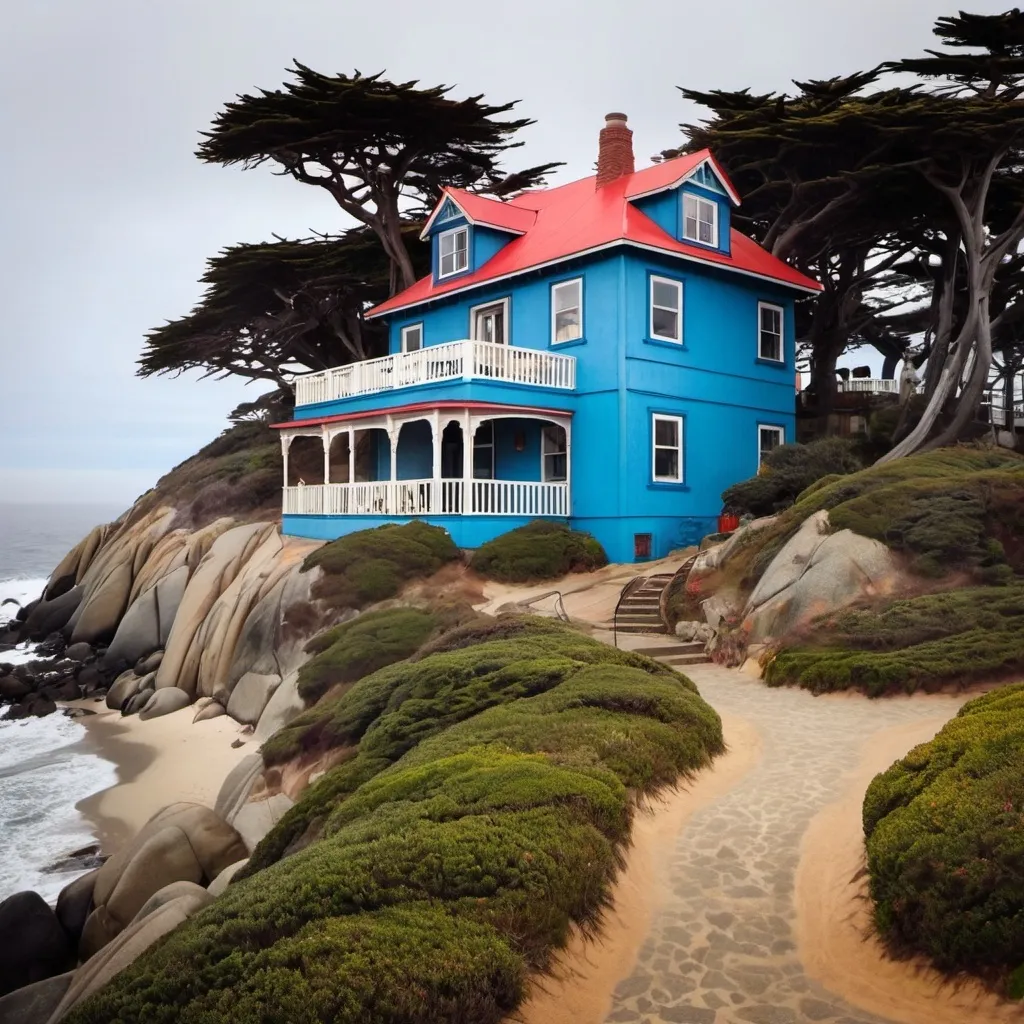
pixel 666 309
pixel 412 338
pixel 453 247
pixel 667 453
pixel 700 220
pixel 567 311
pixel 769 334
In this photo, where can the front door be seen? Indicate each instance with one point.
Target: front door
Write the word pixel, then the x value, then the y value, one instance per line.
pixel 489 323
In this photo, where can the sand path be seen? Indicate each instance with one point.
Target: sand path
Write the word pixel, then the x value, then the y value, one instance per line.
pixel 755 914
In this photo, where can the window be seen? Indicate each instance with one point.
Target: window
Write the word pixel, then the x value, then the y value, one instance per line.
pixel 668 449
pixel 767 439
pixel 488 322
pixel 454 249
pixel 567 311
pixel 553 449
pixel 412 338
pixel 700 220
pixel 666 310
pixel 483 452
pixel 769 342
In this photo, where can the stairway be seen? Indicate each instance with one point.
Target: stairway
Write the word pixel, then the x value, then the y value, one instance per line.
pixel 639 609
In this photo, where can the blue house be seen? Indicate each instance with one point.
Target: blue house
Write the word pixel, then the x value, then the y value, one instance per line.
pixel 610 353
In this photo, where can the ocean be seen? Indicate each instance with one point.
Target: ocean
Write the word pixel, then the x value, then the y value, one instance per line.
pixel 44 768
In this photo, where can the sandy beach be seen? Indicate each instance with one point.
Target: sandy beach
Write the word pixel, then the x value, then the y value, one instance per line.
pixel 158 762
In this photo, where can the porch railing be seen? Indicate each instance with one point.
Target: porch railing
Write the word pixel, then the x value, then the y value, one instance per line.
pixel 455 360
pixel 869 385
pixel 429 497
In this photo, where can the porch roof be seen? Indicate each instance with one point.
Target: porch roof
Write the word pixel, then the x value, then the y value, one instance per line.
pixel 526 410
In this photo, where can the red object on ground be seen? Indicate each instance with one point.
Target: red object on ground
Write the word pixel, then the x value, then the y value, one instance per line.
pixel 727 523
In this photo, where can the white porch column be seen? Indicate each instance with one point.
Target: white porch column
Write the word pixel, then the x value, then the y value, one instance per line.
pixel 286 443
pixel 393 442
pixel 435 504
pixel 568 466
pixel 468 498
pixel 325 437
pixel 351 455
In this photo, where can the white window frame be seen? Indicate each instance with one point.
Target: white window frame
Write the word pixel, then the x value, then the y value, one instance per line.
pixel 454 253
pixel 780 433
pixel 578 282
pixel 782 332
pixel 408 329
pixel 545 454
pixel 678 285
pixel 679 447
pixel 689 197
pixel 473 310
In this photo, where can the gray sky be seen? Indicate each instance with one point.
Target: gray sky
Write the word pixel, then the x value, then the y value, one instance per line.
pixel 106 217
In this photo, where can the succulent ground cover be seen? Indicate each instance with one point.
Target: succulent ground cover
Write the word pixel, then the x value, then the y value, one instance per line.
pixel 541 550
pixel 482 810
pixel 945 844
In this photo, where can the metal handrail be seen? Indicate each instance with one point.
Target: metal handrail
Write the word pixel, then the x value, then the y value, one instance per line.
pixel 559 604
pixel 618 604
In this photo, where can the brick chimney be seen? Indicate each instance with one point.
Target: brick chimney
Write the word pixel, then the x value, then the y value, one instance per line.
pixel 615 150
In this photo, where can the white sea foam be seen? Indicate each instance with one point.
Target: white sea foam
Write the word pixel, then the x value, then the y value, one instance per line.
pixel 22 591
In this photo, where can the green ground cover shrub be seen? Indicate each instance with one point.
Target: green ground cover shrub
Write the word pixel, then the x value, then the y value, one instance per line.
pixel 372 565
pixel 923 642
pixel 540 550
pixel 484 812
pixel 788 470
pixel 356 648
pixel 945 842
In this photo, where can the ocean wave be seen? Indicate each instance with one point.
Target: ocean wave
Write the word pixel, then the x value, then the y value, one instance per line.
pixel 43 773
pixel 22 590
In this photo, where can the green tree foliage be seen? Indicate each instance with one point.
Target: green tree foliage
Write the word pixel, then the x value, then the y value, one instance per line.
pixel 484 813
pixel 945 844
pixel 274 307
pixel 787 471
pixel 541 550
pixel 382 150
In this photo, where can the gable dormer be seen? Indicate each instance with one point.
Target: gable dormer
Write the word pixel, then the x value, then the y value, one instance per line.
pixel 695 206
pixel 466 230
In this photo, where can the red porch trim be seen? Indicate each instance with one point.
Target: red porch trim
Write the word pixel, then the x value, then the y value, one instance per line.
pixel 421 407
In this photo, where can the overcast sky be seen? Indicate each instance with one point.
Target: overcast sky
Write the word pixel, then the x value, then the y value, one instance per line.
pixel 106 217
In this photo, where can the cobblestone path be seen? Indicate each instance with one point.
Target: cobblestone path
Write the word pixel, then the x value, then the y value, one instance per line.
pixel 722 950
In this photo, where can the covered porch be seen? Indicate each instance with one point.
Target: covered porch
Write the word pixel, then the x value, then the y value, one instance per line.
pixel 437 461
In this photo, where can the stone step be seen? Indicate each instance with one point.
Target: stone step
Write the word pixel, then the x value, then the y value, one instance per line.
pixel 654 602
pixel 686 659
pixel 676 650
pixel 639 617
pixel 636 627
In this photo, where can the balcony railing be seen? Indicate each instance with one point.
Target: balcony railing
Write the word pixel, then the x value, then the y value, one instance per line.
pixel 429 497
pixel 455 360
pixel 869 385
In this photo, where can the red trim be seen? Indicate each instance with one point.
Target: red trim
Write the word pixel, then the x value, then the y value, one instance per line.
pixel 417 407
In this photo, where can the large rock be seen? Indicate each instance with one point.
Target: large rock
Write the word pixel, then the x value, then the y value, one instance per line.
pixel 212 710
pixel 123 950
pixel 133 705
pixel 35 1004
pixel 147 624
pixel 74 565
pixel 221 882
pixel 33 945
pixel 165 702
pixel 842 569
pixel 282 708
pixel 714 558
pixel 196 894
pixel 49 616
pixel 251 695
pixel 235 789
pixel 792 561
pixel 215 573
pixel 255 819
pixel 125 686
pixel 78 652
pixel 74 904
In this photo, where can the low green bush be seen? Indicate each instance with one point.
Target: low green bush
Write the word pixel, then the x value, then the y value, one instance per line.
pixel 372 565
pixel 541 550
pixel 356 648
pixel 923 642
pixel 945 843
pixel 483 813
pixel 787 471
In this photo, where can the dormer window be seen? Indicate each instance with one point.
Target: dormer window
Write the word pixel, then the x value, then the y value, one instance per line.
pixel 453 247
pixel 700 220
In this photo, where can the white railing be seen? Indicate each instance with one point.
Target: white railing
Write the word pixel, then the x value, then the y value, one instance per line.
pixel 455 360
pixel 871 385
pixel 428 497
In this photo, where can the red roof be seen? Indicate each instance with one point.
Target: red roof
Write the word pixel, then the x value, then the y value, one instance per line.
pixel 579 218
